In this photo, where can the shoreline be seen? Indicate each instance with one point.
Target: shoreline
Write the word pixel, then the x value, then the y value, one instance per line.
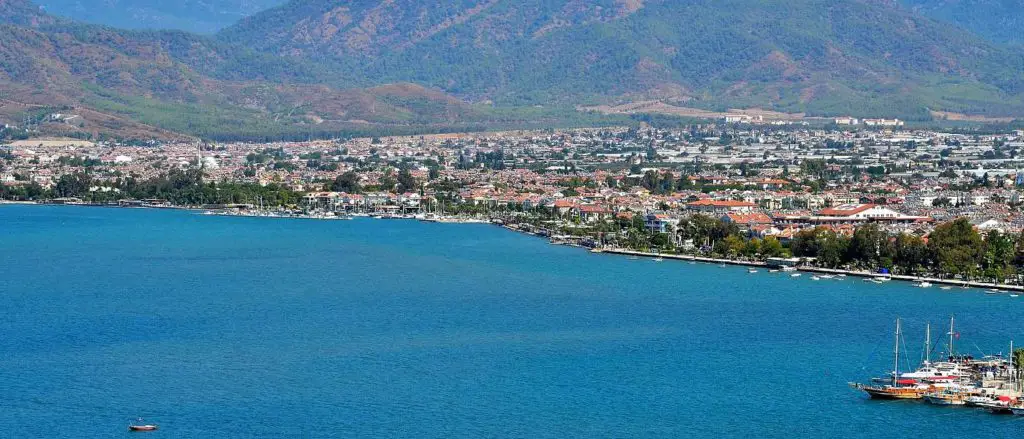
pixel 1003 288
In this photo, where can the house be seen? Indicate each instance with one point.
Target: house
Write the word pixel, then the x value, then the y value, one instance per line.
pixel 848 214
pixel 659 223
pixel 720 207
pixel 747 218
pixel 592 212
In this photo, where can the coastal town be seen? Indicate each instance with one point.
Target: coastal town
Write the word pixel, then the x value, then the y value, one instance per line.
pixel 852 194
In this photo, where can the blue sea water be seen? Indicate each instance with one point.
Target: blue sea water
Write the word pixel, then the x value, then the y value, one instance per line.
pixel 264 328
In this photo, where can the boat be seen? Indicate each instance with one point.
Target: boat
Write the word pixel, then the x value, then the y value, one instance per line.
pixel 658 259
pixel 773 271
pixel 596 250
pixel 1017 410
pixel 945 287
pixel 139 425
pixel 815 278
pixel 795 275
pixel 1015 295
pixel 826 276
pixel 898 388
pixel 946 397
pixel 923 284
pixel 751 271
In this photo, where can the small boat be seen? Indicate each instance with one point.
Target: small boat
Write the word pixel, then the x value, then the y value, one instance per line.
pixel 946 287
pixel 923 284
pixel 815 278
pixel 795 275
pixel 1015 295
pixel 946 398
pixel 1017 410
pixel 773 271
pixel 826 276
pixel 596 250
pixel 138 425
pixel 658 259
pixel 991 292
pixel 751 271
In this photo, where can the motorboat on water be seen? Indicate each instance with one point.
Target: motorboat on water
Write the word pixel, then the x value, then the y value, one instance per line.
pixel 946 397
pixel 140 425
pixel 658 259
pixel 751 270
pixel 795 275
pixel 923 284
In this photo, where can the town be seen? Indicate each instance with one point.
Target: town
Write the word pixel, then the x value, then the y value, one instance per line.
pixel 736 190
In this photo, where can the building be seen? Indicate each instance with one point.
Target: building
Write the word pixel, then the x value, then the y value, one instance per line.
pixel 720 207
pixel 853 214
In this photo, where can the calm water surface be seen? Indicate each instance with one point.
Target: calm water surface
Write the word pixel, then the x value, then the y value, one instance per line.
pixel 238 327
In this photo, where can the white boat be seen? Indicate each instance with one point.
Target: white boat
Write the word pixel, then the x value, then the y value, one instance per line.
pixel 1015 295
pixel 751 271
pixel 923 284
pixel 795 275
pixel 773 271
pixel 826 276
pixel 815 278
pixel 946 287
pixel 658 259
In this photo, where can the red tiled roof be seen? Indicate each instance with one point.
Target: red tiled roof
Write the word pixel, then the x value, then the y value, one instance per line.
pixel 722 203
pixel 846 210
pixel 749 218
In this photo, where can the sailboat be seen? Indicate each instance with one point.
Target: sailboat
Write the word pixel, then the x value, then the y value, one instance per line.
pixel 900 388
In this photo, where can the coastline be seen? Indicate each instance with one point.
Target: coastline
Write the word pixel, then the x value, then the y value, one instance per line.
pixel 1003 288
pixel 852 273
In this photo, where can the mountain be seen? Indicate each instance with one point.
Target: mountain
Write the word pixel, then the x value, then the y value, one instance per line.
pixel 867 57
pixel 199 16
pixel 162 84
pixel 996 20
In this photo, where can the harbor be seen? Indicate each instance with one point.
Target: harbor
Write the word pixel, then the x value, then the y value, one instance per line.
pixel 989 383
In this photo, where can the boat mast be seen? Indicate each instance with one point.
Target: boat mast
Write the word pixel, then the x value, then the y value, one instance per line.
pixel 896 351
pixel 951 354
pixel 928 344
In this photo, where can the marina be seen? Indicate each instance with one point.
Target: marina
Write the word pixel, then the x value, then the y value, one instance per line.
pixel 991 383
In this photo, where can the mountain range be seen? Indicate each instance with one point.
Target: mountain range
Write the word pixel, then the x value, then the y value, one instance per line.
pixel 320 66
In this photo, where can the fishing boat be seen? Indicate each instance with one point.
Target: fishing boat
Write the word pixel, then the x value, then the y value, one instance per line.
pixel 898 388
pixel 139 425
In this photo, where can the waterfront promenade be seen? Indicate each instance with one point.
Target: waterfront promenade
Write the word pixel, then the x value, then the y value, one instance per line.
pixel 821 270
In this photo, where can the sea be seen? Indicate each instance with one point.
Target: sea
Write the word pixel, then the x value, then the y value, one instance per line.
pixel 235 327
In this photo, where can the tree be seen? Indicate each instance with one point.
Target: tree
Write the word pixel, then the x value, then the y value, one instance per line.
pixel 72 185
pixel 771 247
pixel 869 246
pixel 911 253
pixel 347 182
pixel 999 255
pixel 406 182
pixel 957 247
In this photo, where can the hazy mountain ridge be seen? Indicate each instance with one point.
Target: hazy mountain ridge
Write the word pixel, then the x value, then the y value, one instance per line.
pixel 997 20
pixel 818 56
pixel 200 16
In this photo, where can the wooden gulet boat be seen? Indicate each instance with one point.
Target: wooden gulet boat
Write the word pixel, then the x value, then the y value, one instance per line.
pixel 899 389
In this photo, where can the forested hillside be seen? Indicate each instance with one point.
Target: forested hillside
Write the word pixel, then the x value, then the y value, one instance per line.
pixel 819 56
